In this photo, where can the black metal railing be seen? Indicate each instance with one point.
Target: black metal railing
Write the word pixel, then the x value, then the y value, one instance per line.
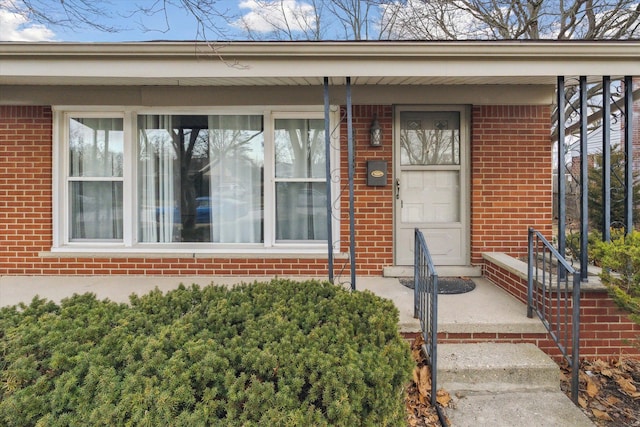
pixel 426 305
pixel 553 293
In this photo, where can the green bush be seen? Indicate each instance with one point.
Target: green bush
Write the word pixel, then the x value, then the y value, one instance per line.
pixel 572 244
pixel 620 262
pixel 278 353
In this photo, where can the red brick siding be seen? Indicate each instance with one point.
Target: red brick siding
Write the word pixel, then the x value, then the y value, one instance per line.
pixel 605 330
pixel 511 178
pixel 373 205
pixel 504 206
pixel 25 188
pixel 26 217
pixel 506 280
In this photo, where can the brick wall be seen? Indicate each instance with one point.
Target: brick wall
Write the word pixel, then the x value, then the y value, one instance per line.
pixel 26 211
pixel 26 217
pixel 25 188
pixel 511 187
pixel 511 190
pixel 605 330
pixel 373 205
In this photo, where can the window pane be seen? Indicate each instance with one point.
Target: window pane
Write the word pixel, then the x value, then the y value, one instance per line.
pixel 96 210
pixel 299 148
pixel 301 211
pixel 429 138
pixel 200 178
pixel 95 147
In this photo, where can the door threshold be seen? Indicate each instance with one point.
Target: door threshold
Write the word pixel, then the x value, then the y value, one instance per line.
pixel 442 270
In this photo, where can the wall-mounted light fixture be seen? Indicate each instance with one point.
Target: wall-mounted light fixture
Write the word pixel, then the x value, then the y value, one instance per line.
pixel 375 132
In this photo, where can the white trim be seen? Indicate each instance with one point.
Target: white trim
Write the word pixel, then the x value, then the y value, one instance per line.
pixel 269 219
pixel 169 253
pixel 129 186
pixel 295 113
pixel 169 63
pixel 97 110
pixel 130 243
pixel 61 169
pixel 57 165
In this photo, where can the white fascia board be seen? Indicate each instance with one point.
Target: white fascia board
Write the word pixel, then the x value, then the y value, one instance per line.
pixel 321 59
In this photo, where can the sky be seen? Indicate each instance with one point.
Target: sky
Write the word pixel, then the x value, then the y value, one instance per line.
pixel 181 25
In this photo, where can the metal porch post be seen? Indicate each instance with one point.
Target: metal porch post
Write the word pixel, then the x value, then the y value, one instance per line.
pixel 562 200
pixel 584 189
pixel 628 154
pixel 351 160
pixel 327 153
pixel 606 159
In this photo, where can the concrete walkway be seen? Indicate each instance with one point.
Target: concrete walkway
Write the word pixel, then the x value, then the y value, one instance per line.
pixel 485 309
pixel 16 289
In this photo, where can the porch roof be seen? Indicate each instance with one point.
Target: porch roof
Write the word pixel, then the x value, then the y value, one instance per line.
pixel 307 63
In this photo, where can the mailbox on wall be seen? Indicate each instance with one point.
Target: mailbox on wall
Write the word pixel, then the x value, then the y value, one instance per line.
pixel 376 173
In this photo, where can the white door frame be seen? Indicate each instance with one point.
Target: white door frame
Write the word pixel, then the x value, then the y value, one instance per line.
pixel 465 175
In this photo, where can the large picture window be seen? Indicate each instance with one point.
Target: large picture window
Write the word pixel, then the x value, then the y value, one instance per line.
pixel 200 178
pixel 196 181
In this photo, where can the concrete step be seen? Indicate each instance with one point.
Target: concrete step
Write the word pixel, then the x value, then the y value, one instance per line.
pixel 483 368
pixel 487 309
pixel 504 385
pixel 443 271
pixel 522 409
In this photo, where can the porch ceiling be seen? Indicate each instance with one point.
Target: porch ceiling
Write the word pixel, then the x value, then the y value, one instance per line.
pixel 306 63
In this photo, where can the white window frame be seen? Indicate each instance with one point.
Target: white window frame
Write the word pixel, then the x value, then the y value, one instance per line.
pixel 130 243
pixel 283 116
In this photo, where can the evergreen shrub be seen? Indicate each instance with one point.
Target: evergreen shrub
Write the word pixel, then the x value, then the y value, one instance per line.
pixel 620 261
pixel 268 354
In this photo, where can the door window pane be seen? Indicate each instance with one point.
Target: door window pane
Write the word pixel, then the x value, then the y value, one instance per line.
pixel 200 178
pixel 95 210
pixel 429 138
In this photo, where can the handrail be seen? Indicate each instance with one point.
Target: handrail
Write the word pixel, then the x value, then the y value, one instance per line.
pixel 426 305
pixel 551 297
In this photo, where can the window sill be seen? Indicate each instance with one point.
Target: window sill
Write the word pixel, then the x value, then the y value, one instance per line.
pixel 279 253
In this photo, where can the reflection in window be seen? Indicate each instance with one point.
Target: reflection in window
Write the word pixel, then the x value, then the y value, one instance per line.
pixel 301 202
pixel 95 178
pixel 301 211
pixel 429 138
pixel 200 178
pixel 96 210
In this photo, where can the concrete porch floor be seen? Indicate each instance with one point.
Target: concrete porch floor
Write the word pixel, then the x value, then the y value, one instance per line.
pixel 485 309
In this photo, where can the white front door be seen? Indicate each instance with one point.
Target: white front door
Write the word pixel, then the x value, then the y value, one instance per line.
pixel 431 173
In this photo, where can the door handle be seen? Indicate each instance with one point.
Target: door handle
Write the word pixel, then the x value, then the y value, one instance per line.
pixel 397 188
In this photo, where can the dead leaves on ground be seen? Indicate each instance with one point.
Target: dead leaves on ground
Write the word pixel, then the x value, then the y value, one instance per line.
pixel 609 392
pixel 420 412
